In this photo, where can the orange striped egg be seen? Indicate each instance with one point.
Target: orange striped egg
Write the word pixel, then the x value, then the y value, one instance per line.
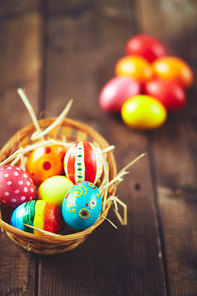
pixel 83 162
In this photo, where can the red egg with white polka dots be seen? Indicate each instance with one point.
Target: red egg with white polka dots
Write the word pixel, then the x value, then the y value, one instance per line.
pixel 45 162
pixel 16 186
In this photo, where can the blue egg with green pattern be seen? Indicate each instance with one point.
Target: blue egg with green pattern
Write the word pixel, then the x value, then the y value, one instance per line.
pixel 81 206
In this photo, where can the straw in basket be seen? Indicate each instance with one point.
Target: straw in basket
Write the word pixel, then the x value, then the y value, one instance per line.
pixel 62 131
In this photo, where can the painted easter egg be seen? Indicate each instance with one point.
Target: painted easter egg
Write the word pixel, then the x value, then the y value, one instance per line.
pixel 82 206
pixel 136 67
pixel 143 112
pixel 45 162
pixel 116 91
pixel 170 93
pixel 16 186
pixel 40 214
pixel 173 68
pixel 83 162
pixel 145 45
pixel 54 189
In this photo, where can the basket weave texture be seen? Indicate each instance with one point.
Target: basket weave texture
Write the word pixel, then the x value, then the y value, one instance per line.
pixel 71 130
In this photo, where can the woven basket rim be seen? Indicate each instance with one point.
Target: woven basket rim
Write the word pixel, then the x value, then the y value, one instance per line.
pixel 70 122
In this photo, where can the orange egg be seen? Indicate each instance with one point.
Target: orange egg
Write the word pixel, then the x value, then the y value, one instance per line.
pixel 134 66
pixel 45 162
pixel 173 68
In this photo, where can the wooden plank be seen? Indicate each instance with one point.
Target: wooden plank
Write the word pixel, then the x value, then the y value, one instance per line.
pixel 176 178
pixel 69 45
pixel 17 269
pixel 125 261
pixel 21 63
pixel 20 59
pixel 72 7
pixel 11 8
pixel 173 149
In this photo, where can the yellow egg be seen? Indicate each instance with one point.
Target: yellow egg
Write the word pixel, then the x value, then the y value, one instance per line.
pixel 143 112
pixel 54 189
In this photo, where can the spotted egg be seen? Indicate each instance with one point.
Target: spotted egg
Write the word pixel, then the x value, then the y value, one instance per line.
pixel 83 162
pixel 81 206
pixel 45 162
pixel 39 214
pixel 16 186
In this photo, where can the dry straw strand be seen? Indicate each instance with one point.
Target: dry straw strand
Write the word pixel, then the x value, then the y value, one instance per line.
pixel 49 243
pixel 44 232
pixel 123 220
pixel 58 121
pixel 123 172
pixel 29 107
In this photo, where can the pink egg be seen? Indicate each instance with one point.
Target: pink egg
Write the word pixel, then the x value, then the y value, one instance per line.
pixel 116 91
pixel 16 186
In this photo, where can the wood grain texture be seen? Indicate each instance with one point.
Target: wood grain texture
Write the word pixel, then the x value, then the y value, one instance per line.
pixel 81 56
pixel 173 149
pixel 176 190
pixel 17 269
pixel 20 59
pixel 11 8
pixel 80 59
pixel 75 7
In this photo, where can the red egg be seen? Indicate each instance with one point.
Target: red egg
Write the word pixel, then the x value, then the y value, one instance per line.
pixel 170 93
pixel 16 186
pixel 146 46
pixel 83 162
pixel 45 162
pixel 116 91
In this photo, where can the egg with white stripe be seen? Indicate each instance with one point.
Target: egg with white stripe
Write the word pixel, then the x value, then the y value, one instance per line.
pixel 16 186
pixel 83 162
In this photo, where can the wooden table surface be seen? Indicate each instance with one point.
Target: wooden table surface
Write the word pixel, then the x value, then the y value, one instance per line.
pixel 58 50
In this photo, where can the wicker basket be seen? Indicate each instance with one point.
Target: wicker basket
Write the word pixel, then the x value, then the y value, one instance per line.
pixel 72 131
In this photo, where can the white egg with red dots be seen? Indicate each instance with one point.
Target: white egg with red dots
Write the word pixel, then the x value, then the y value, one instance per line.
pixel 81 206
pixel 16 186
